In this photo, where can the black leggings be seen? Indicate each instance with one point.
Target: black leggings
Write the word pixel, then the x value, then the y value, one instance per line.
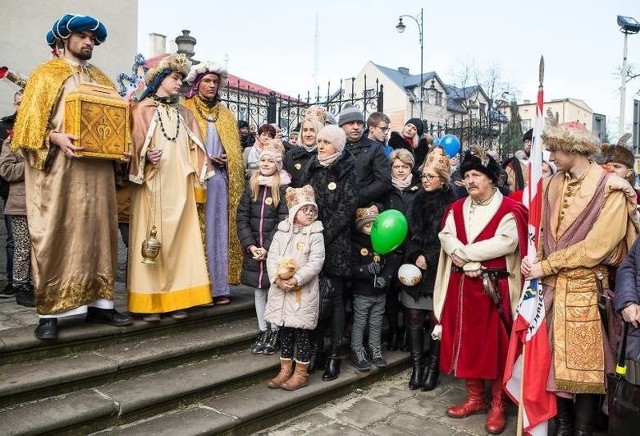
pixel 300 337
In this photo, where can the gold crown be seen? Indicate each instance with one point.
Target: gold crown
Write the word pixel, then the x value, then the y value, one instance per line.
pixel 304 195
pixel 174 62
pixel 316 113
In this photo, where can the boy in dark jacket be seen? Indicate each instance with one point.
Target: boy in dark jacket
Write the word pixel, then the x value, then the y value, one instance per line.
pixel 371 278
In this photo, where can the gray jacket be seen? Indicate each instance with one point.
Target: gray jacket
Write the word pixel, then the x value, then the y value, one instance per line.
pixel 12 170
pixel 306 245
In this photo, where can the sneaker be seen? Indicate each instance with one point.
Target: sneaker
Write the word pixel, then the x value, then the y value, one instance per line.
pixel 359 360
pixel 376 358
pixel 152 317
pixel 273 342
pixel 7 291
pixel 258 345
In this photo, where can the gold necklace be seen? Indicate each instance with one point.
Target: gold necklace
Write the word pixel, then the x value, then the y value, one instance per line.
pixel 211 115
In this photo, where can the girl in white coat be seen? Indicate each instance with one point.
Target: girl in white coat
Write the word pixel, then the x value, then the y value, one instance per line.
pixel 292 303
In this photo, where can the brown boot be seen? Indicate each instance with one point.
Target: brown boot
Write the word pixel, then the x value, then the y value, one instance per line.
pixel 298 379
pixel 474 402
pixel 286 370
pixel 495 418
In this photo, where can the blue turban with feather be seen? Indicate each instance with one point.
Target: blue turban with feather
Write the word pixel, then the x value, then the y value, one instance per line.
pixel 70 23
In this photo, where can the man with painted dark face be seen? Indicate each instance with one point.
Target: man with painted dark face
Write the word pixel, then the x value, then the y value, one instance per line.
pixel 225 187
pixel 478 285
pixel 517 167
pixel 374 169
pixel 73 231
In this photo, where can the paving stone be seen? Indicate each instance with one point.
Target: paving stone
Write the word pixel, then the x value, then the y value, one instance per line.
pixel 384 429
pixel 393 395
pixel 365 412
pixel 421 406
pixel 418 425
pixel 337 428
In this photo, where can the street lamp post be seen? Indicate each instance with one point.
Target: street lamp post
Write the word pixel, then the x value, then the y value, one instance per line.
pixel 400 28
pixel 628 26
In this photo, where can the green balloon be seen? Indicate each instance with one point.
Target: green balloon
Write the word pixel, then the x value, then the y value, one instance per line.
pixel 389 231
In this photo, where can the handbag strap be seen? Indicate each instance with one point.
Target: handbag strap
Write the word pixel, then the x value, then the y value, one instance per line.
pixel 621 367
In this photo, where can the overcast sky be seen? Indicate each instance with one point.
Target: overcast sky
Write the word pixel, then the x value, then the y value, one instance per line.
pixel 272 42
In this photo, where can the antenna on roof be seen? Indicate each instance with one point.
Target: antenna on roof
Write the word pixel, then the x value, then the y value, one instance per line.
pixel 316 54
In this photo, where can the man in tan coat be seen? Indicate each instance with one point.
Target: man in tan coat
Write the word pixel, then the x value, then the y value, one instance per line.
pixel 588 225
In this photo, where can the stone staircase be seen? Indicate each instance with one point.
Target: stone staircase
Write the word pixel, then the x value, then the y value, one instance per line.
pixel 176 377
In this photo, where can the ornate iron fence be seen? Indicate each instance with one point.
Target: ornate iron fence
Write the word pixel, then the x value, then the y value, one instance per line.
pixel 253 104
pixel 481 131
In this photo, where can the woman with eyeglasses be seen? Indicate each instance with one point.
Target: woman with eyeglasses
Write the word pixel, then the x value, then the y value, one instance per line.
pixel 405 186
pixel 423 250
pixel 333 175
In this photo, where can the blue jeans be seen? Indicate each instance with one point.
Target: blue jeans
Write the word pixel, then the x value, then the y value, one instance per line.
pixel 367 308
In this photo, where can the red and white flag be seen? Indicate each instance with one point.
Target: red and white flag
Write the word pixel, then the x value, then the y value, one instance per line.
pixel 529 356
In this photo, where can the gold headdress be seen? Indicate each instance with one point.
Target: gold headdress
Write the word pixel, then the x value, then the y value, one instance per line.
pixel 438 162
pixel 174 62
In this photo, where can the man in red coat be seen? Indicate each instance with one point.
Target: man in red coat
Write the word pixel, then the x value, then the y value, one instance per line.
pixel 478 286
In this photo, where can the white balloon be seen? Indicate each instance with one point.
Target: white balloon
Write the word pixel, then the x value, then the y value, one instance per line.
pixel 409 274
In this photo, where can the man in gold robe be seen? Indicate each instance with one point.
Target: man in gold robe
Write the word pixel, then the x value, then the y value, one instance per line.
pixel 168 167
pixel 71 201
pixel 588 224
pixel 224 189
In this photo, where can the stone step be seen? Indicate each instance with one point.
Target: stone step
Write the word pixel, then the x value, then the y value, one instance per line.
pixel 61 374
pixel 75 335
pixel 243 411
pixel 145 395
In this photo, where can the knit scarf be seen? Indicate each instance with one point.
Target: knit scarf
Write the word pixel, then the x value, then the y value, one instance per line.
pixel 285 179
pixel 401 184
pixel 326 161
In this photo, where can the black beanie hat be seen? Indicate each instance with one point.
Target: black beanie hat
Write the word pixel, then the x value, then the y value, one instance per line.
pixel 418 123
pixel 528 136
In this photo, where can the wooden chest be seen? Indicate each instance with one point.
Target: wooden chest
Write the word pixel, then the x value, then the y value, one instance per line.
pixel 99 117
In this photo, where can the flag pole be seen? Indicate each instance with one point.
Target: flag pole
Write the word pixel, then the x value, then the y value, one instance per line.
pixel 520 423
pixel 531 253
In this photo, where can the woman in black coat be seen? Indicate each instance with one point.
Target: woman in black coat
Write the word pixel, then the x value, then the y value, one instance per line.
pixel 332 174
pixel 405 186
pixel 423 250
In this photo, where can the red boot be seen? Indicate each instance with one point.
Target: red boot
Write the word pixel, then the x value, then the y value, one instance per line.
pixel 474 402
pixel 495 418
